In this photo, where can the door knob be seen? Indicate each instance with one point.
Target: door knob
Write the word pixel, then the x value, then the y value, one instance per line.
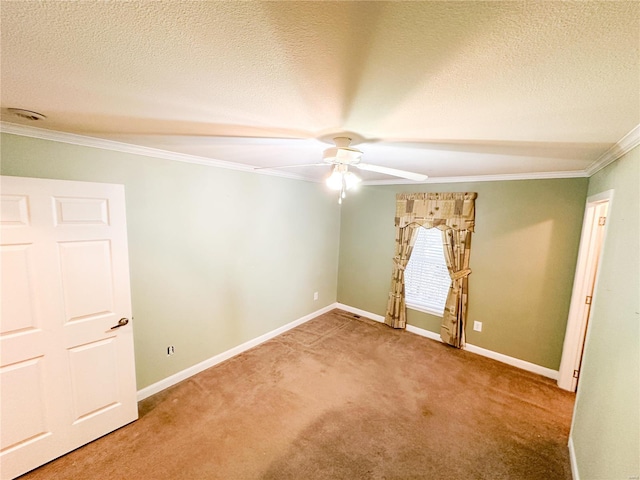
pixel 121 323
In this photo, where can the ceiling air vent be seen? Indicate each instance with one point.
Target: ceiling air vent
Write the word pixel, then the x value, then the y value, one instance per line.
pixel 26 114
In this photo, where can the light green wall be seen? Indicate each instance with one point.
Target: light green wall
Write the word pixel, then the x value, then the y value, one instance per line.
pixel 606 428
pixel 217 257
pixel 523 259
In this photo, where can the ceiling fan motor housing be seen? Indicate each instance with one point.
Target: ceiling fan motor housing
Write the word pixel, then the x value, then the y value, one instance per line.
pixel 342 153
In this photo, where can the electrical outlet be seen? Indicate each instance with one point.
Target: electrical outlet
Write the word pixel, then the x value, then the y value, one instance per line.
pixel 477 326
pixel 170 350
pixel 315 295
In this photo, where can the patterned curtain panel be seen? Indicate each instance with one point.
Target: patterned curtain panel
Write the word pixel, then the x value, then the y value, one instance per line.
pixel 454 214
pixel 396 316
pixel 457 248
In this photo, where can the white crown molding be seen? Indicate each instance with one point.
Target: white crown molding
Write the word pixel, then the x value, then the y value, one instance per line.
pixel 88 141
pixel 624 145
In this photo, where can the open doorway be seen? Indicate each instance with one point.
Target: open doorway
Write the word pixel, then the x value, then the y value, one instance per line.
pixel 593 234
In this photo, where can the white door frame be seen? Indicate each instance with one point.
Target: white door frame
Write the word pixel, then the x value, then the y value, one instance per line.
pixel 589 257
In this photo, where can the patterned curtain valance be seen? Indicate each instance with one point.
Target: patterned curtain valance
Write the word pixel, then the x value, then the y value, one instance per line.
pixel 444 210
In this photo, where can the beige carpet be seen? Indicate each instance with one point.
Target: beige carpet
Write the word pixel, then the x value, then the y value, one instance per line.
pixel 341 398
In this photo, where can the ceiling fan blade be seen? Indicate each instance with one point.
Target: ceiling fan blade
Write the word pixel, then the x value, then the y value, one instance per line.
pixel 417 177
pixel 555 150
pixel 292 166
pixel 213 140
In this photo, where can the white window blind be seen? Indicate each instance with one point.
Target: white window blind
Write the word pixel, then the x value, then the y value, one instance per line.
pixel 426 277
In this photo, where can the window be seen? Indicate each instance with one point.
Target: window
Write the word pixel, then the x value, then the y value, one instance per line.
pixel 426 277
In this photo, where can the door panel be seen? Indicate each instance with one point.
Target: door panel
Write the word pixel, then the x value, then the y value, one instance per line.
pixel 79 211
pixel 67 377
pixel 93 377
pixel 23 408
pixel 17 288
pixel 86 279
pixel 14 210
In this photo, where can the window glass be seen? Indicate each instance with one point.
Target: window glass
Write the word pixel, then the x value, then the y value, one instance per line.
pixel 426 277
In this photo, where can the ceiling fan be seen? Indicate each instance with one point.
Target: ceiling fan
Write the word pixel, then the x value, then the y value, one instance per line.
pixel 343 156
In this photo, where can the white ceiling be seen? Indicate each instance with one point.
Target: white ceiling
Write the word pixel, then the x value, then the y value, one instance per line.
pixel 442 88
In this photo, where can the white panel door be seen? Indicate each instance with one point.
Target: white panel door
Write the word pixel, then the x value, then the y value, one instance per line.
pixel 67 376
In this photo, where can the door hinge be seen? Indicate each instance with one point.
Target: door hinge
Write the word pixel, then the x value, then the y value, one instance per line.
pixel 602 221
pixel 576 373
pixel 588 300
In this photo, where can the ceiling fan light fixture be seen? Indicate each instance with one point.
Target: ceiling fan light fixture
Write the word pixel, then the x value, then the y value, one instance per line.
pixel 334 181
pixel 351 180
pixel 341 179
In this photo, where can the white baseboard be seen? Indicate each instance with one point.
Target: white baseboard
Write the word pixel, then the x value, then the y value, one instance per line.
pixel 423 333
pixel 362 313
pixel 221 357
pixel 572 459
pixel 515 362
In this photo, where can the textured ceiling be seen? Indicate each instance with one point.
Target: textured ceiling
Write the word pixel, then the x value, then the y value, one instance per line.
pixel 442 88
